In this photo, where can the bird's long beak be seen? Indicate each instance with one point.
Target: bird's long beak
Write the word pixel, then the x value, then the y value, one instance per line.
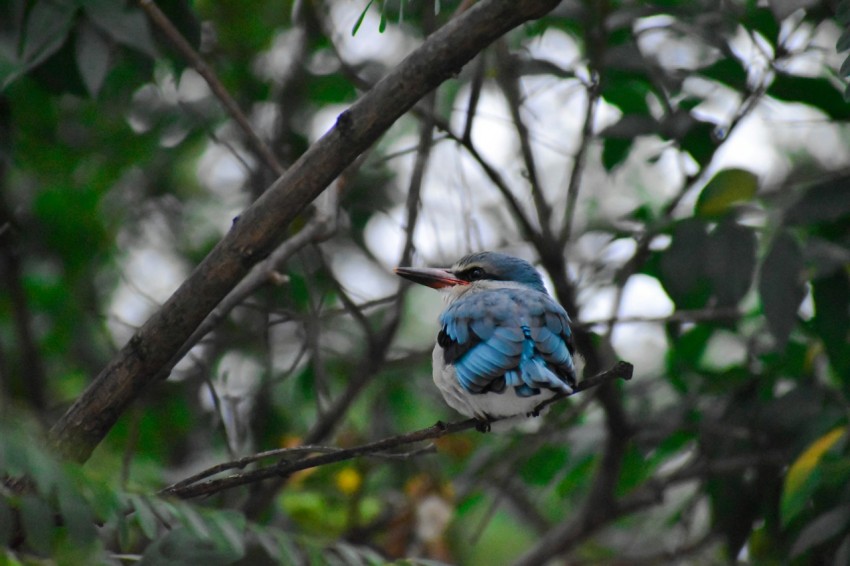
pixel 430 276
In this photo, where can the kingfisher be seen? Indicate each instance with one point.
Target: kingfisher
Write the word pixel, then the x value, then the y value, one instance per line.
pixel 504 344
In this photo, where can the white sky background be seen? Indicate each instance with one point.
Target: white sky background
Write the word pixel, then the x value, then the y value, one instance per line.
pixel 463 212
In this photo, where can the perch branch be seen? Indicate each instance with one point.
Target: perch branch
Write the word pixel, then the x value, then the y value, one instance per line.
pixel 198 485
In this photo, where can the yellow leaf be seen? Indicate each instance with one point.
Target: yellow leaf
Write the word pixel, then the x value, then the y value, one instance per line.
pixel 803 466
pixel 728 187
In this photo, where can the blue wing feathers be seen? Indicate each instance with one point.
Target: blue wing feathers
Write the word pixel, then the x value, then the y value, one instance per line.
pixel 508 337
pixel 483 327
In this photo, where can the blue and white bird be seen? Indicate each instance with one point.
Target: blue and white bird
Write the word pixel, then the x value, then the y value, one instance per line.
pixel 505 345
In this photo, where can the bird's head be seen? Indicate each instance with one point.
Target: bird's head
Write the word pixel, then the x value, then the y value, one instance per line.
pixel 478 270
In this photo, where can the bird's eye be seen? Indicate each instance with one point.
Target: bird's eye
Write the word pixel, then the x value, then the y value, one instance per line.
pixel 475 274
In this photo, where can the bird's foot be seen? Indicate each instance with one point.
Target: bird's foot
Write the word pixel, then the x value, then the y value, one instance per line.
pixel 482 426
pixel 440 425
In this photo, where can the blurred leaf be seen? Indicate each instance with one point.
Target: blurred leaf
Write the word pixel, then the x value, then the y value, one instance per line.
pixel 359 21
pixel 76 516
pixel 821 529
pixel 832 320
pixel 614 152
pixel 39 526
pixel 844 69
pixel 698 141
pixel 820 93
pixel 144 516
pixel 128 27
pixel 7 523
pixel 685 354
pixel 627 91
pixel 825 202
pixel 762 20
pixel 635 469
pixel 578 477
pixel 725 189
pixel 781 286
pixel 48 24
pixel 800 480
pixel 179 547
pixel 734 508
pixel 729 71
pixel 544 465
pixel 228 527
pixel 683 264
pixel 730 261
pixel 92 58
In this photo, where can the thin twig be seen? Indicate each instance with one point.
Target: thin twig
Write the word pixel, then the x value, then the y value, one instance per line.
pixel 579 161
pixel 194 58
pixel 510 85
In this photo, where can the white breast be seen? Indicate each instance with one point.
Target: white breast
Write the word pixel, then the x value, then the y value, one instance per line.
pixel 483 405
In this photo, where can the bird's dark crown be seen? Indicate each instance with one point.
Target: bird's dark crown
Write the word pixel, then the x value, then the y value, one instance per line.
pixel 494 266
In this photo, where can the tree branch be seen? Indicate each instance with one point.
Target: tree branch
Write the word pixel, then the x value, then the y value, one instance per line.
pixel 194 487
pixel 265 223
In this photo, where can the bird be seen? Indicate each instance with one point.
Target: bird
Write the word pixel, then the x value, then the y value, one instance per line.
pixel 504 344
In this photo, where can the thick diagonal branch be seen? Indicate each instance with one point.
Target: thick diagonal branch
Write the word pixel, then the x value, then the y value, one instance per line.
pixel 265 223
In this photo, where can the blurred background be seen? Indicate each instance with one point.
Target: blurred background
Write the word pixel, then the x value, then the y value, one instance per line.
pixel 677 171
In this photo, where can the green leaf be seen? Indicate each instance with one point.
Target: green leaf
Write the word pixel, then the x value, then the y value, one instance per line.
pixel 627 91
pixel 821 529
pixel 228 528
pixel 728 71
pixel 781 286
pixel 730 261
pixel 144 516
pixel 844 69
pixel 683 265
pixel 179 547
pixel 614 152
pixel 193 521
pixel 699 142
pixel 77 517
pixel 92 54
pixel 359 21
pixel 820 93
pixel 832 320
pixel 544 465
pixel 843 43
pixel 48 25
pixel 127 27
pixel 725 189
pixel 37 519
pixel 763 21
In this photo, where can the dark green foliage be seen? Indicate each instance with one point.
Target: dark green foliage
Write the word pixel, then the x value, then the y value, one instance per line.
pixel 120 170
pixel 781 286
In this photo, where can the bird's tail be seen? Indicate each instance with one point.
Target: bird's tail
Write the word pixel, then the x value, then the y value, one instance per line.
pixel 534 371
